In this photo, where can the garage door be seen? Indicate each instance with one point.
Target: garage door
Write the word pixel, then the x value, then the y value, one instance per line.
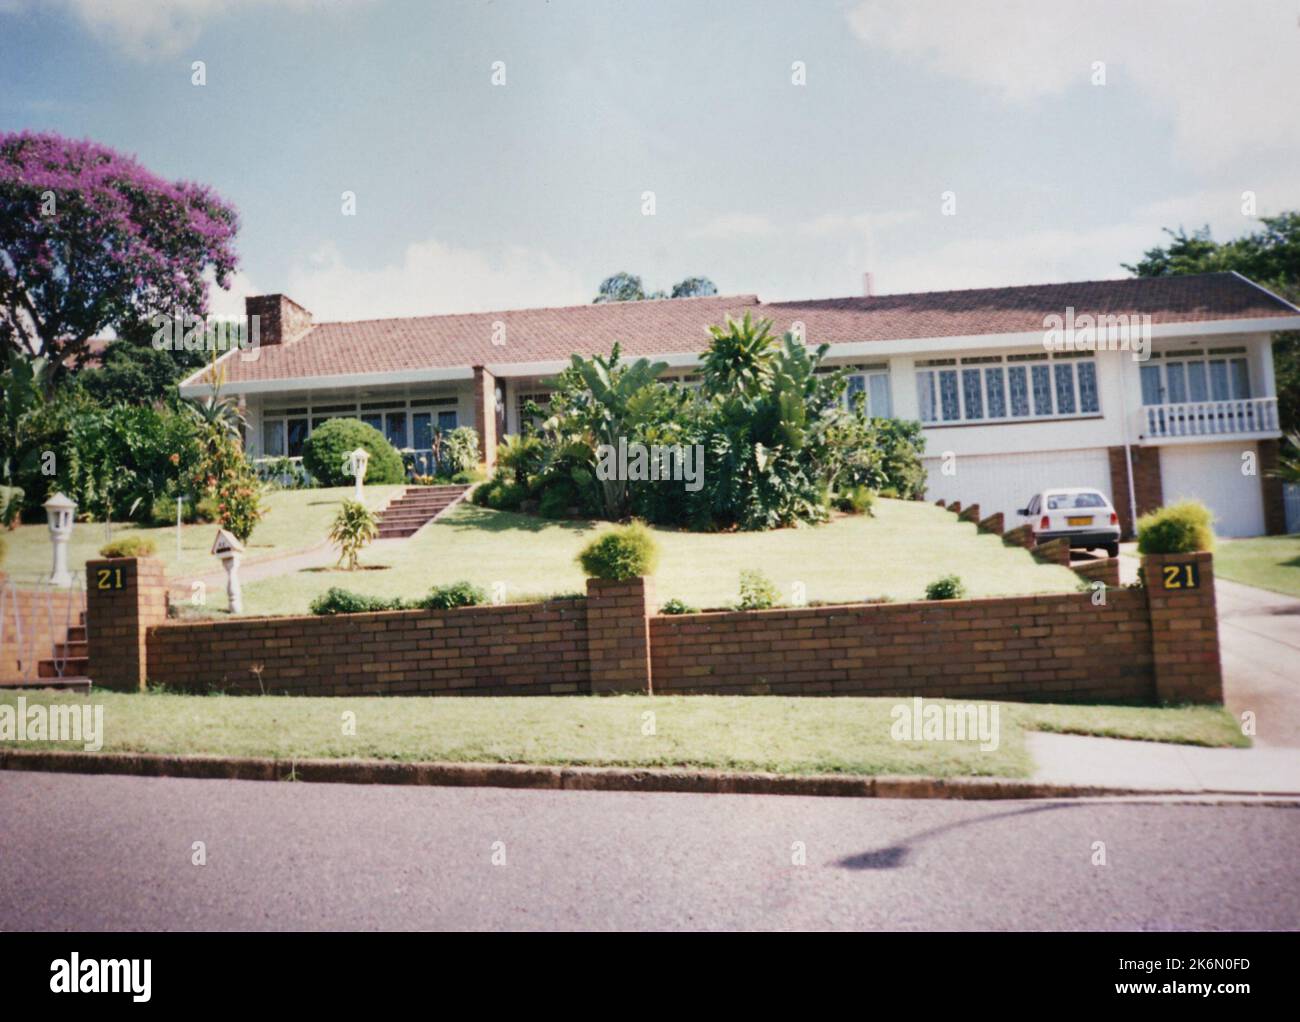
pixel 1004 482
pixel 1211 473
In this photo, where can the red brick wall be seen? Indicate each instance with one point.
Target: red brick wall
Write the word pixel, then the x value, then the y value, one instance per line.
pixel 1148 491
pixel 618 634
pixel 1271 488
pixel 518 649
pixel 1058 648
pixel 43 616
pixel 117 619
pixel 1140 645
pixel 1185 630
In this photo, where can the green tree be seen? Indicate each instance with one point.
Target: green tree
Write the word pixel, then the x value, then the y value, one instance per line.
pixel 1269 256
pixel 627 287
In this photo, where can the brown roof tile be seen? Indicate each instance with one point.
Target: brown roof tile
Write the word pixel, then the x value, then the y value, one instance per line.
pixel 679 325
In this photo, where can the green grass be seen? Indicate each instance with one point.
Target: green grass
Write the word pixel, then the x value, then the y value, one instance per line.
pixel 296 520
pixel 1269 562
pixel 785 735
pixel 894 554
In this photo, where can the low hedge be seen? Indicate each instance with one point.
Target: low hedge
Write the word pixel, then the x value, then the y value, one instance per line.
pixel 129 546
pixel 1183 528
pixel 621 554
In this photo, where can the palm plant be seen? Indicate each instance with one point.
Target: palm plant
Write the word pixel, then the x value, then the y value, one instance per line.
pixel 354 526
pixel 741 356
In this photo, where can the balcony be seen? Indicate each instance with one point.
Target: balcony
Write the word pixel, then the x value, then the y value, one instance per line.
pixel 1253 416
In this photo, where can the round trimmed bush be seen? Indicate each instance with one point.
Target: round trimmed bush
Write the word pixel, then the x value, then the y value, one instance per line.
pixel 129 546
pixel 950 587
pixel 621 554
pixel 324 450
pixel 1182 528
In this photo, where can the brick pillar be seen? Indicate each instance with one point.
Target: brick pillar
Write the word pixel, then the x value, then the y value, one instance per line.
pixel 125 596
pixel 618 634
pixel 1184 628
pixel 1271 488
pixel 485 415
pixel 1148 491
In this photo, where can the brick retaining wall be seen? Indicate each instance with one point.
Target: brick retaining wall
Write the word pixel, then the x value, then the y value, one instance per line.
pixel 518 649
pixel 1058 648
pixel 1115 645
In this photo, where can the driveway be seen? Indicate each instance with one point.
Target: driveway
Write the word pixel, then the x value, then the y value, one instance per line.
pixel 1259 641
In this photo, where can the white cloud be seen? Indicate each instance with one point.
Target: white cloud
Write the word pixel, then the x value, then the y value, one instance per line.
pixel 1227 74
pixel 432 278
pixel 156 29
pixel 734 225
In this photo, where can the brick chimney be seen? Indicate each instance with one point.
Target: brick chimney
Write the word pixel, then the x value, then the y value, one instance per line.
pixel 280 320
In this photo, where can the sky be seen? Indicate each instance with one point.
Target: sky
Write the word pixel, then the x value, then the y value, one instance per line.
pixel 500 153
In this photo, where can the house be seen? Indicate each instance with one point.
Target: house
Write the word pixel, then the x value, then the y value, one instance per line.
pixel 1175 396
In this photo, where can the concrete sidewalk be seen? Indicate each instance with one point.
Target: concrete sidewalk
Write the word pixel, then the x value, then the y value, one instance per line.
pixel 1120 763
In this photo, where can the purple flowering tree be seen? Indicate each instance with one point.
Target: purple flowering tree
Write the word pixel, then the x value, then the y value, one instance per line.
pixel 90 239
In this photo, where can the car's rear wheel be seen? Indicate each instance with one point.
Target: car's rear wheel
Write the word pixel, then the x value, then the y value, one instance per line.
pixel 1112 549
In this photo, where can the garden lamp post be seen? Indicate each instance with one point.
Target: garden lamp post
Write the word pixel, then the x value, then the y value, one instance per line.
pixel 58 511
pixel 355 462
pixel 231 551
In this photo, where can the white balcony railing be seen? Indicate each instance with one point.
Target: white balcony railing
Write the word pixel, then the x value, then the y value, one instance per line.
pixel 1209 418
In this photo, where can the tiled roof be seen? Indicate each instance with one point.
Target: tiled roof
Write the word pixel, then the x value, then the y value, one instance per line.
pixel 678 325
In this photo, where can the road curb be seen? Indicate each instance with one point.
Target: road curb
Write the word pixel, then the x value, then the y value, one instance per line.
pixel 565 778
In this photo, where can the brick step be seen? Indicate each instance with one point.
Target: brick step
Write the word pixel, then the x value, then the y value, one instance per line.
pixel 399 531
pixel 420 501
pixel 76 649
pixel 410 516
pixel 74 666
pixel 430 505
pixel 76 683
pixel 77 633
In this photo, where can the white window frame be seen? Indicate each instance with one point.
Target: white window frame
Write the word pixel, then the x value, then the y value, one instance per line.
pixel 930 376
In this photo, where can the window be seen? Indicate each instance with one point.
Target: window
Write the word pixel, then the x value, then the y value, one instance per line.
pixel 297 436
pixel 1070 501
pixel 1192 377
pixel 395 428
pixel 987 388
pixel 873 382
pixel 273 438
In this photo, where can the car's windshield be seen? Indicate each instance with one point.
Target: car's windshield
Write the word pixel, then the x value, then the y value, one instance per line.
pixel 1067 501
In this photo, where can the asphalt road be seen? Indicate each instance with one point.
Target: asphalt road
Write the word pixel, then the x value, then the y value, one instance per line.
pixel 86 852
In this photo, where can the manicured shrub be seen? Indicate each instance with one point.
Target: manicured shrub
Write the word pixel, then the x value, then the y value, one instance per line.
pixel 1182 528
pixel 757 592
pixel 621 554
pixel 343 601
pixel 855 500
pixel 129 546
pixel 500 494
pixel 354 526
pixel 676 606
pixel 950 587
pixel 324 450
pixel 458 594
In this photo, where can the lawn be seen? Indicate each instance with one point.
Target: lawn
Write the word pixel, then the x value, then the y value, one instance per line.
pixel 295 520
pixel 1269 562
pixel 786 735
pixel 894 554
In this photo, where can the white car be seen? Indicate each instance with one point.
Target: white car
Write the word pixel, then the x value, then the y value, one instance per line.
pixel 1084 517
